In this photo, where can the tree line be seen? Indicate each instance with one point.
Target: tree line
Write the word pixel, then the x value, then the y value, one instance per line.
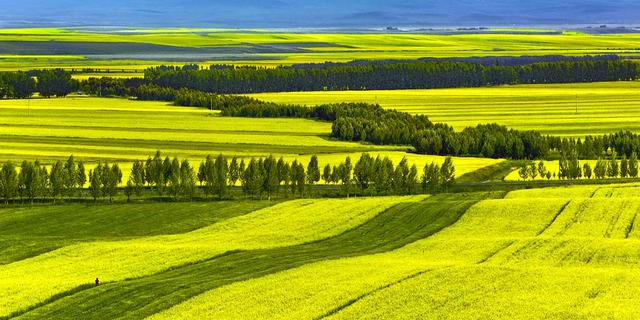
pixel 374 124
pixel 569 168
pixel 215 176
pixel 485 60
pixel 49 83
pixel 402 75
pixel 32 180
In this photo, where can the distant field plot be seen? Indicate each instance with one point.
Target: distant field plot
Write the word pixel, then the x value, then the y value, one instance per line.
pixel 560 109
pixel 101 129
pixel 128 48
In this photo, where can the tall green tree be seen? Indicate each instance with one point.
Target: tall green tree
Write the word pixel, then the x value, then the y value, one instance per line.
pixel 431 177
pixel 168 169
pixel 624 167
pixel 221 172
pixel 95 182
pixel 586 170
pixel 301 178
pixel 234 171
pixel 70 176
pixel 523 172
pixel 326 174
pixel 363 172
pixel 173 173
pixel 542 169
pixel 252 178
pixel 81 176
pixel 633 165
pixel 57 180
pixel 533 170
pixel 284 174
pixel 313 171
pixel 447 172
pixel 271 178
pixel 600 170
pixel 344 173
pixel 208 176
pixel 109 179
pixel 613 169
pixel 187 179
pixel 412 180
pixel 8 181
pixel 400 177
pixel 137 178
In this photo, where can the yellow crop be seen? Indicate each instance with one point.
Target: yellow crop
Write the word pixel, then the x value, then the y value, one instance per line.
pixel 33 280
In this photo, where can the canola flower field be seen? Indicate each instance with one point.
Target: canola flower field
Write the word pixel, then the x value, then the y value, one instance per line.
pixel 284 47
pixel 572 110
pixel 559 253
pixel 122 130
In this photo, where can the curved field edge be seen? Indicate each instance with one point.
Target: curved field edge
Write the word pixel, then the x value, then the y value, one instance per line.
pixel 393 228
pixel 28 282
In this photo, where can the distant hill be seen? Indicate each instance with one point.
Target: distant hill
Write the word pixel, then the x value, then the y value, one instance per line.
pixel 326 13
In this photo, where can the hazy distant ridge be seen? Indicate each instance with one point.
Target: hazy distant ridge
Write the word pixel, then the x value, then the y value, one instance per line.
pixel 328 13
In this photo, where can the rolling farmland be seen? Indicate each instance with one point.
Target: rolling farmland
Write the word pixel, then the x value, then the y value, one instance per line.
pixel 504 258
pixel 361 239
pixel 108 129
pixel 25 282
pixel 550 108
pixel 136 49
pixel 434 256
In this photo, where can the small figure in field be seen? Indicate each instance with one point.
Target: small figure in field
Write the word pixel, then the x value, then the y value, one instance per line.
pixel 97 282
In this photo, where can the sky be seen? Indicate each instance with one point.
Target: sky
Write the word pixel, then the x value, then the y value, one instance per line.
pixel 316 14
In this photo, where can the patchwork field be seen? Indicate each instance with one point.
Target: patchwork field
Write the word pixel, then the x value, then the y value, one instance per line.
pixel 125 130
pixel 604 107
pixel 139 48
pixel 545 253
pixel 557 253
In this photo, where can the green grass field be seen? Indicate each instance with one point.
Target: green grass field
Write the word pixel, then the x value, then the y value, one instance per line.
pixel 104 129
pixel 270 48
pixel 601 107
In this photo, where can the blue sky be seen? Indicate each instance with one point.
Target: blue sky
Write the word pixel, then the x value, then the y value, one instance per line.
pixel 319 13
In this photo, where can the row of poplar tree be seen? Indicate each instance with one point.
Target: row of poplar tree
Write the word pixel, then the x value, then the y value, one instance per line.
pixel 32 180
pixel 216 175
pixel 569 168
